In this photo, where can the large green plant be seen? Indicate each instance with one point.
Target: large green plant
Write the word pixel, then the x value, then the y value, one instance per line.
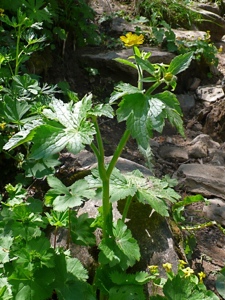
pixel 73 126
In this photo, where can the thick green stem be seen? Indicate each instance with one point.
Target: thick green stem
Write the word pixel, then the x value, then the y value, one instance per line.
pixel 17 50
pixel 107 207
pixel 118 152
pixel 140 77
pixel 153 87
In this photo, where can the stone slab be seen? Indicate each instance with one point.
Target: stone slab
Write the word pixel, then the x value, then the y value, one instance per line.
pixel 207 180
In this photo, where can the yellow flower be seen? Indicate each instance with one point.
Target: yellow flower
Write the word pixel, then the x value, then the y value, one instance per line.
pixel 132 39
pixel 182 263
pixel 201 275
pixel 2 125
pixel 167 267
pixel 220 50
pixel 153 269
pixel 187 271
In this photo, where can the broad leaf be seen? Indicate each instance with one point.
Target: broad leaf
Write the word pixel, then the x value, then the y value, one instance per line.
pixel 134 109
pixel 153 191
pixel 25 288
pixel 183 288
pixel 41 168
pixel 14 110
pixel 120 188
pixel 71 279
pixel 180 63
pixel 138 278
pixel 123 89
pixel 121 249
pixel 81 230
pixel 62 197
pixel 102 110
pixel 24 135
pixel 72 132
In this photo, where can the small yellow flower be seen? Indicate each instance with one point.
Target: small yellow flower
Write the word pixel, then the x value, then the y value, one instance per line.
pixel 220 50
pixel 187 271
pixel 1 12
pixel 2 125
pixel 153 269
pixel 201 276
pixel 167 267
pixel 132 39
pixel 182 263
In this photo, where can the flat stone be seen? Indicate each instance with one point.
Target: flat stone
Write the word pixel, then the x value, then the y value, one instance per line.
pixel 207 180
pixel 210 93
pixel 190 35
pixel 215 210
pixel 173 152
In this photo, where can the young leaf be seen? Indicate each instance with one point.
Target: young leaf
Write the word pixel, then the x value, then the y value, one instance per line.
pixel 126 62
pixel 145 65
pixel 121 249
pixel 102 110
pixel 81 230
pixel 180 63
pixel 62 197
pixel 123 89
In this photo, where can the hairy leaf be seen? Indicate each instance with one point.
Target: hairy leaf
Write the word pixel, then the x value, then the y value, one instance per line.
pixel 123 89
pixel 180 63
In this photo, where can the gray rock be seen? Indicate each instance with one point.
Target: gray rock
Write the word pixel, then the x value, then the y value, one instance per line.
pixel 202 179
pixel 215 210
pixel 198 150
pixel 206 139
pixel 172 152
pixel 210 93
pixel 187 102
